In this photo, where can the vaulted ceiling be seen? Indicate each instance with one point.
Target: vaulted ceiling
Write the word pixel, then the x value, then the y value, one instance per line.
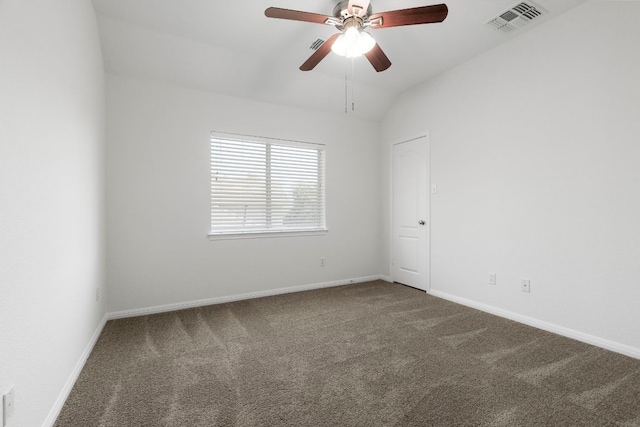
pixel 230 47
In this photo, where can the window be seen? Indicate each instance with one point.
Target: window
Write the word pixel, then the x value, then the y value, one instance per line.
pixel 263 186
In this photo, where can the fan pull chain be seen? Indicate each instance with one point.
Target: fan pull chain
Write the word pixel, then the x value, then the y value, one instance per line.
pixel 349 79
pixel 346 90
pixel 353 78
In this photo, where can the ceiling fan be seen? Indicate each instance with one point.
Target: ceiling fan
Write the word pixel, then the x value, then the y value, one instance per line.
pixel 351 17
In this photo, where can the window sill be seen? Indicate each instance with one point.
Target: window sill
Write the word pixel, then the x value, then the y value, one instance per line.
pixel 268 234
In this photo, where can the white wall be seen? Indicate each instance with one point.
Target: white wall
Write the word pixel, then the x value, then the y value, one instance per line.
pixel 535 153
pixel 158 207
pixel 51 197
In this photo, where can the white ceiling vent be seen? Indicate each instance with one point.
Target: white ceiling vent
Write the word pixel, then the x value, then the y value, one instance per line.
pixel 517 16
pixel 316 44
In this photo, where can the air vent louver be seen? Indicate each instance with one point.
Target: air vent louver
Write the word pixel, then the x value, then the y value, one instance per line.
pixel 517 16
pixel 316 44
pixel 527 11
pixel 509 15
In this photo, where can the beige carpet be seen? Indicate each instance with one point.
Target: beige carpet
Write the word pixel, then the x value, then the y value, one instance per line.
pixel 371 354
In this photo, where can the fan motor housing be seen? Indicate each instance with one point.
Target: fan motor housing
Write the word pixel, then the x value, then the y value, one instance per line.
pixel 342 10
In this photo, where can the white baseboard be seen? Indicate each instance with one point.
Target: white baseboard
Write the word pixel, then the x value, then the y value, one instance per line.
pixel 385 278
pixel 64 394
pixel 231 298
pixel 550 327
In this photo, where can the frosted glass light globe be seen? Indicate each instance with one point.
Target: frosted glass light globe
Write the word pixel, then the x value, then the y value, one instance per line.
pixel 353 43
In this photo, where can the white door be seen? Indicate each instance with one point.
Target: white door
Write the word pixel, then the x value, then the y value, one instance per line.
pixel 410 203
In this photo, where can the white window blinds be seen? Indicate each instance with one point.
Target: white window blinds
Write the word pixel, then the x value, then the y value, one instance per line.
pixel 262 187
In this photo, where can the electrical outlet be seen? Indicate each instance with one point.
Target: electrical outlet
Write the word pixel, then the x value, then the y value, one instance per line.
pixel 492 278
pixel 434 189
pixel 98 293
pixel 7 404
pixel 321 262
pixel 525 285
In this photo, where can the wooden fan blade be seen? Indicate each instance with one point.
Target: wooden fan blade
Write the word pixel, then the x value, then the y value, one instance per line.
pixel 319 54
pixel 358 7
pixel 416 15
pixel 296 15
pixel 378 59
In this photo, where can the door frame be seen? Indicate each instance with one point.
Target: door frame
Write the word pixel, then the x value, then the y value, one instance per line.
pixel 426 285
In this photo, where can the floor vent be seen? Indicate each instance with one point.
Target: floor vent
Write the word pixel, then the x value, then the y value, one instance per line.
pixel 316 44
pixel 517 16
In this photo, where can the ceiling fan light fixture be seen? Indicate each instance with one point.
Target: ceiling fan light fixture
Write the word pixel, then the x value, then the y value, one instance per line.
pixel 353 43
pixel 358 14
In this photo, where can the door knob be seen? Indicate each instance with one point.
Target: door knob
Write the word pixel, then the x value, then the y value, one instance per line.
pixel 421 222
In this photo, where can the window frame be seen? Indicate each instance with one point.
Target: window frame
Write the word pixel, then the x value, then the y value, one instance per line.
pixel 266 233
